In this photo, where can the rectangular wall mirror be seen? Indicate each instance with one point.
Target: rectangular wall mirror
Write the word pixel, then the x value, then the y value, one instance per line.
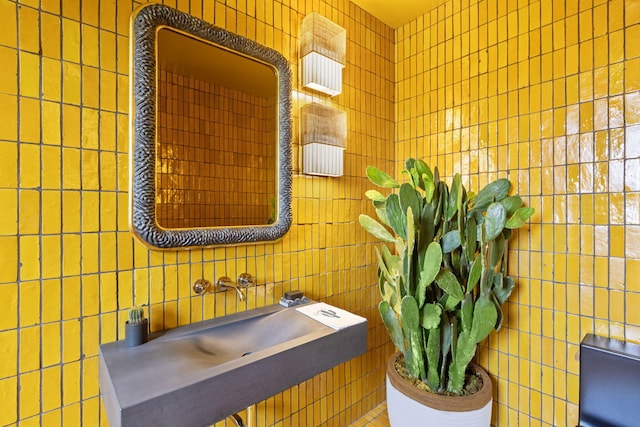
pixel 210 134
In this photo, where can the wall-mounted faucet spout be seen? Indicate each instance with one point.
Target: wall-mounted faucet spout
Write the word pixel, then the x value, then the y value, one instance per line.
pixel 225 283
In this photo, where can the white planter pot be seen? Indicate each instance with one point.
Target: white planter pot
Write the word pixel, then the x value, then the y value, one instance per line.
pixel 411 407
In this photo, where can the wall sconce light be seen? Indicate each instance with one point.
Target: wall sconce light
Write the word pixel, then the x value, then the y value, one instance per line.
pixel 324 139
pixel 322 49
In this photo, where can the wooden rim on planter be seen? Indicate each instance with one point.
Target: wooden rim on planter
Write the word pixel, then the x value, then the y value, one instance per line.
pixel 470 402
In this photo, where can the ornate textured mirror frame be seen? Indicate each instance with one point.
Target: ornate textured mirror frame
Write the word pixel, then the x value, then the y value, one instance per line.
pixel 145 23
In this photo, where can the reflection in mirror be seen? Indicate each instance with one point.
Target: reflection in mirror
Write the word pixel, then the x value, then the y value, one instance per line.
pixel 216 143
pixel 210 136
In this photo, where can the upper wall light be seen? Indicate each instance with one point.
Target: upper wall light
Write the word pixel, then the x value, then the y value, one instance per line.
pixel 322 49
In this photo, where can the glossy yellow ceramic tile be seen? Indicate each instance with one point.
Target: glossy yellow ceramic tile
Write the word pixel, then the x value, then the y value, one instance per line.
pixel 8 388
pixel 51 354
pixel 632 51
pixel 632 315
pixel 29 128
pixel 8 367
pixel 50 45
pixel 70 85
pixel 9 58
pixel 28 39
pixel 90 87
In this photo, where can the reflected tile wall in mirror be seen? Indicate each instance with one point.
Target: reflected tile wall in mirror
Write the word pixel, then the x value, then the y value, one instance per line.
pixel 214 148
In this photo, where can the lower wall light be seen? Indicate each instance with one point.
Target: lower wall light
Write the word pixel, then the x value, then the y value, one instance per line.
pixel 324 139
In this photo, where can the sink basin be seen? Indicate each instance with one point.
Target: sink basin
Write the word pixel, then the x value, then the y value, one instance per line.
pixel 246 336
pixel 201 373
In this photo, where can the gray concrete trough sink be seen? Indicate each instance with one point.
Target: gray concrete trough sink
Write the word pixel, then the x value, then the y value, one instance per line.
pixel 198 374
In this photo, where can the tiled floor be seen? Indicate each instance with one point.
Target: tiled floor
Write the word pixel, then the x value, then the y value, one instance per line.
pixel 377 417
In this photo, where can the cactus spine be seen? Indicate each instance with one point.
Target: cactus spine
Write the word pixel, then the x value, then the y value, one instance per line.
pixel 444 284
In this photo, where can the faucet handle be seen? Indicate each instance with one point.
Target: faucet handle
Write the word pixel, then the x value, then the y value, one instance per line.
pixel 202 286
pixel 224 283
pixel 245 280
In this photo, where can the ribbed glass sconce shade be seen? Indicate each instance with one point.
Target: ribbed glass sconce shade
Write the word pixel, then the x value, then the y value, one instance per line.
pixel 324 139
pixel 323 52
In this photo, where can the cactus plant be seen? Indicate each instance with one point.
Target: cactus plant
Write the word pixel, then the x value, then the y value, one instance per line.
pixel 136 315
pixel 136 328
pixel 444 284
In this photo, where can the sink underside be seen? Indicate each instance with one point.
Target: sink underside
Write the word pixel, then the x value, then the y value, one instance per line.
pixel 202 373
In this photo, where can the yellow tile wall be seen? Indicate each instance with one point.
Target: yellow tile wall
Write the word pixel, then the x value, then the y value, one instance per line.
pixel 70 268
pixel 546 93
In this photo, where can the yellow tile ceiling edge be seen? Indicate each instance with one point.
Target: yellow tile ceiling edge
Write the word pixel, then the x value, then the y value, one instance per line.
pixel 396 13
